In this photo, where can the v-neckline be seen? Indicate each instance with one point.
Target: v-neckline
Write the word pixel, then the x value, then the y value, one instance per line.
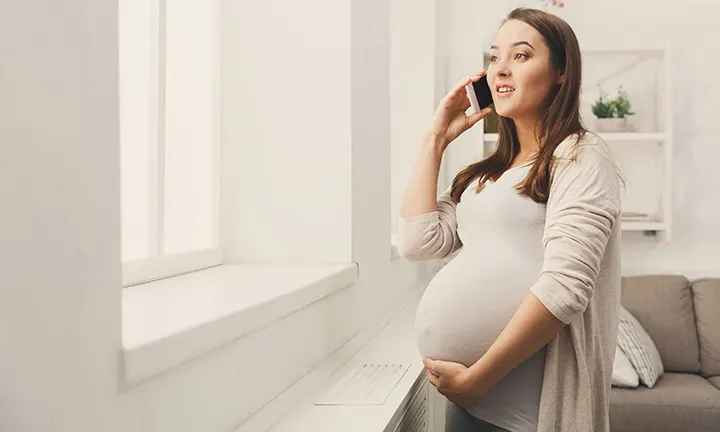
pixel 515 168
pixel 519 166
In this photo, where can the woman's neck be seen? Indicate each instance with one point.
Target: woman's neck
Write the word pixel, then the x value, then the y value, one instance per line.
pixel 525 130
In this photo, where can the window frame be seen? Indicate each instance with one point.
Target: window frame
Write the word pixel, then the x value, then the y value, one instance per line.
pixel 160 265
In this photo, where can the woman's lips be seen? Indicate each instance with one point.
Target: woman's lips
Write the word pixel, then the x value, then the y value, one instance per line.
pixel 504 92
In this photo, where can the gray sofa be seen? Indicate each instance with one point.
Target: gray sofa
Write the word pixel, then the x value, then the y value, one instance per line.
pixel 683 319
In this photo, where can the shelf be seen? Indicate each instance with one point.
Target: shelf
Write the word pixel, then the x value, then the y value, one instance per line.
pixel 624 136
pixel 490 137
pixel 643 225
pixel 633 136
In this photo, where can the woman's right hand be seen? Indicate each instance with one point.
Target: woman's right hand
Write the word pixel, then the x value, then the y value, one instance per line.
pixel 450 120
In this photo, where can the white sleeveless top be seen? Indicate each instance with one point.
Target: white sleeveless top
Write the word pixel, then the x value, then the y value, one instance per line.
pixel 472 298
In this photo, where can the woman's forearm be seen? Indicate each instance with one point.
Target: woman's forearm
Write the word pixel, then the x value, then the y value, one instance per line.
pixel 421 192
pixel 530 329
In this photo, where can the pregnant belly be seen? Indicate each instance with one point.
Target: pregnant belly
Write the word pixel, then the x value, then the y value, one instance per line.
pixel 469 302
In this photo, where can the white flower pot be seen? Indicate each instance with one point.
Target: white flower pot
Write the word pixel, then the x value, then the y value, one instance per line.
pixel 611 124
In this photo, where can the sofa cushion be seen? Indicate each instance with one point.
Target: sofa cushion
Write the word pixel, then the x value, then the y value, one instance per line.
pixel 715 381
pixel 678 402
pixel 623 374
pixel 664 307
pixel 639 348
pixel 706 296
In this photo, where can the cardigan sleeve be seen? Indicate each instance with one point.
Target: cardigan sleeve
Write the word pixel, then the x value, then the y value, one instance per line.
pixel 431 235
pixel 582 210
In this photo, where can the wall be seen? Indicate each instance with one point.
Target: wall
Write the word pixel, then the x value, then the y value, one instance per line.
pixel 286 153
pixel 59 241
pixel 693 248
pixel 60 291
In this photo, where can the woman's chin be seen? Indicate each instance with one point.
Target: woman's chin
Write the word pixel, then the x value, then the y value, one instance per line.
pixel 504 110
pixel 510 112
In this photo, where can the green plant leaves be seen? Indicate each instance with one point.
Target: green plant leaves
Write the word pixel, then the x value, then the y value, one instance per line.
pixel 612 108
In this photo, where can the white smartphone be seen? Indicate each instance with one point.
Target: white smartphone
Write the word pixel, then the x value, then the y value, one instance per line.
pixel 479 94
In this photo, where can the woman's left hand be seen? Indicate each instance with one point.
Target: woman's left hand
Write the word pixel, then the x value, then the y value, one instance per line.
pixel 452 380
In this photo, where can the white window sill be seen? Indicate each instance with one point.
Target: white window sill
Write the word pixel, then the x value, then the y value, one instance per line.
pixel 388 339
pixel 167 322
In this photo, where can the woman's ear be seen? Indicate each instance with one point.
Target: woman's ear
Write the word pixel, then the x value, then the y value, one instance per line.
pixel 560 78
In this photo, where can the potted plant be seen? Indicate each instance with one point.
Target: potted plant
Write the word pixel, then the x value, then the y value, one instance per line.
pixel 612 114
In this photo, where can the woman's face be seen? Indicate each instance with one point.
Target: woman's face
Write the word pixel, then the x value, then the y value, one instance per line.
pixel 520 73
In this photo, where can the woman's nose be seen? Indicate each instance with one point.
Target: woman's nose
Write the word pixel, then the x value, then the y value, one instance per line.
pixel 502 70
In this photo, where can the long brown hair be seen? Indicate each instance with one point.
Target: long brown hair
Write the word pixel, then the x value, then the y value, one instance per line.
pixel 560 118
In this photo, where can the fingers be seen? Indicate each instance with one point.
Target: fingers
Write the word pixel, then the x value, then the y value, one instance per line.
pixel 476 117
pixel 434 380
pixel 468 79
pixel 428 362
pixel 460 87
pixel 433 376
pixel 465 103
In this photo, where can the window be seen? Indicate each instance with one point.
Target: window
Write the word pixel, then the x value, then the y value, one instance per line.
pixel 417 82
pixel 169 136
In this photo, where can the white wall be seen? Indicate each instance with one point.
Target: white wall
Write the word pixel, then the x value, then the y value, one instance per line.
pixel 60 237
pixel 286 131
pixel 690 30
pixel 59 224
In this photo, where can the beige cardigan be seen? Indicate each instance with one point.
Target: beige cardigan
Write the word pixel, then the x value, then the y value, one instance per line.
pixel 579 282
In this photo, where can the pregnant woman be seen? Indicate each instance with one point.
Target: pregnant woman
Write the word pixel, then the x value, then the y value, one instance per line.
pixel 518 330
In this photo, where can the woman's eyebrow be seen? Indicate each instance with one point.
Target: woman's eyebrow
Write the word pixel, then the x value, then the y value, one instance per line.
pixel 514 44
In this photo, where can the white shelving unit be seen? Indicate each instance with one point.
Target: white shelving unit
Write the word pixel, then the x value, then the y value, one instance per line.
pixel 644 153
pixel 609 137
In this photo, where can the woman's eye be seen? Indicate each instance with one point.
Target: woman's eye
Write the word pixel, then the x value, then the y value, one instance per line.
pixel 493 59
pixel 520 55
